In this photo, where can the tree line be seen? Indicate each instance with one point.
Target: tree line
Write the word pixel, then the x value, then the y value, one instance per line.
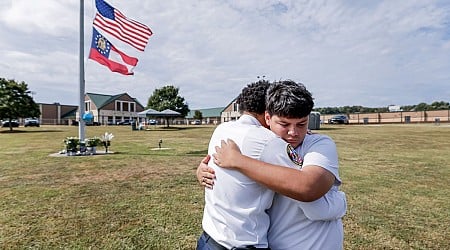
pixel 437 105
pixel 16 101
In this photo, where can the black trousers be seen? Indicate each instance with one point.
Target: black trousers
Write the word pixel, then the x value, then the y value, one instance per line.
pixel 205 242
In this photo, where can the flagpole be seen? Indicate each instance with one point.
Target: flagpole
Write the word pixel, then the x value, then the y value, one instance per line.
pixel 81 124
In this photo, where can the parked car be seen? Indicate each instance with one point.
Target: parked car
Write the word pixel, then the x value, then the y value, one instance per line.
pixel 31 122
pixel 339 119
pixel 152 122
pixel 125 122
pixel 92 123
pixel 87 123
pixel 14 124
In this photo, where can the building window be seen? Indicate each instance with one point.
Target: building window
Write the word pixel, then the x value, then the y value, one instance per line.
pixel 87 106
pixel 235 107
pixel 125 106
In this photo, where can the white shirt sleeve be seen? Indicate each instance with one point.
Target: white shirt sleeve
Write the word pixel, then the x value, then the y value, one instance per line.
pixel 321 151
pixel 331 206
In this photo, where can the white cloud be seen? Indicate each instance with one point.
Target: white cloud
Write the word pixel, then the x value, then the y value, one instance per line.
pixel 372 53
pixel 42 17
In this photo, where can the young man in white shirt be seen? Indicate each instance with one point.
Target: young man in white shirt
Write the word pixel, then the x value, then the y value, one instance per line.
pixel 235 214
pixel 313 219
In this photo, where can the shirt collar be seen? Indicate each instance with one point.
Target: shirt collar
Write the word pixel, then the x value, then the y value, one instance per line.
pixel 248 119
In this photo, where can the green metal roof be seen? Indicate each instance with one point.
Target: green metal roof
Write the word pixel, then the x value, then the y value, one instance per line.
pixel 209 112
pixel 70 114
pixel 101 100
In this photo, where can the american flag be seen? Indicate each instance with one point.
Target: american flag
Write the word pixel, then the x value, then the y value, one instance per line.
pixel 113 22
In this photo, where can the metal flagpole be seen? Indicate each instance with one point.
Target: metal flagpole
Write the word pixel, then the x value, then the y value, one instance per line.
pixel 81 124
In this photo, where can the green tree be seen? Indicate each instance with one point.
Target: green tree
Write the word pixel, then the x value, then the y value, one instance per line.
pixel 437 105
pixel 16 101
pixel 422 106
pixel 167 98
pixel 408 107
pixel 440 105
pixel 198 115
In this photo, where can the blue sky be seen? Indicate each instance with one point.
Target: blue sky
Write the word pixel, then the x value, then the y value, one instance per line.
pixel 369 53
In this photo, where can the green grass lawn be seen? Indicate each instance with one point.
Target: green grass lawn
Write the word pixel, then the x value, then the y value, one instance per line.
pixel 396 178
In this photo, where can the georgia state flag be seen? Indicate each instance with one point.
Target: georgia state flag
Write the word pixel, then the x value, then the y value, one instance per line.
pixel 105 53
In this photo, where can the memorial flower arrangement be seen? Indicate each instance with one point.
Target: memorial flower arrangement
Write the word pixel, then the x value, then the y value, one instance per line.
pixel 71 144
pixel 93 142
pixel 106 139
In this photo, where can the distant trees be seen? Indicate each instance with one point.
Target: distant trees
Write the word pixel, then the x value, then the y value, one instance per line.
pixel 438 105
pixel 441 105
pixel 349 110
pixel 198 115
pixel 16 101
pixel 167 98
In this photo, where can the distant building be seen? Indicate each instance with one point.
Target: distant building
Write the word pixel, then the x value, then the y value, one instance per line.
pixel 110 109
pixel 106 109
pixel 210 115
pixel 231 111
pixel 56 113
pixel 394 108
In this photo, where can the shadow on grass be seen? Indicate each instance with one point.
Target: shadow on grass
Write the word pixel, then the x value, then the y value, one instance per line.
pixel 328 128
pixel 162 153
pixel 29 131
pixel 170 128
pixel 198 152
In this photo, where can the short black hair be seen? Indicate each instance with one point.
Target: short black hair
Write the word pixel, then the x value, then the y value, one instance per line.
pixel 289 99
pixel 252 97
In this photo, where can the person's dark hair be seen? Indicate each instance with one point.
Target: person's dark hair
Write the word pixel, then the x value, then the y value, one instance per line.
pixel 253 96
pixel 289 99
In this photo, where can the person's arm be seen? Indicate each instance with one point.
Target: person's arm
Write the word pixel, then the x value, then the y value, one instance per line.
pixel 332 206
pixel 205 174
pixel 308 184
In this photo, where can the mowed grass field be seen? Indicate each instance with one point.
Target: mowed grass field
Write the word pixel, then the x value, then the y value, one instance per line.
pixel 397 179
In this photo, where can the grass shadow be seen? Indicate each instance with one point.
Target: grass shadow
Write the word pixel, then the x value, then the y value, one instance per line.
pixel 28 131
pixel 171 128
pixel 198 152
pixel 161 153
pixel 328 128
